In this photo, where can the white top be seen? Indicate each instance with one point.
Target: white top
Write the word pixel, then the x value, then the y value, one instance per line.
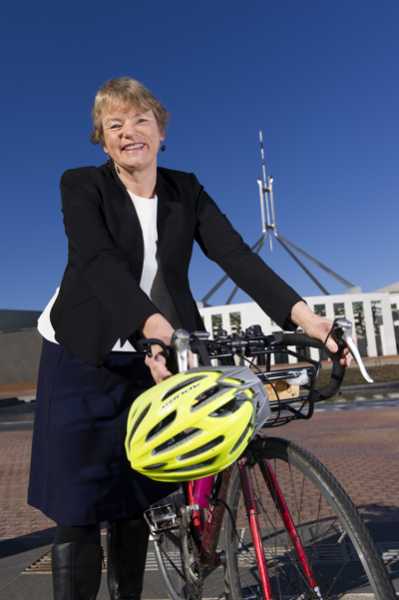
pixel 152 281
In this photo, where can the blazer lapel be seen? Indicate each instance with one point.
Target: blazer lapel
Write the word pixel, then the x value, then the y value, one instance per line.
pixel 129 233
pixel 169 218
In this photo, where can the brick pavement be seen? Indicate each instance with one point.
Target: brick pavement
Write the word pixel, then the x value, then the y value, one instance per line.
pixel 359 447
pixel 16 517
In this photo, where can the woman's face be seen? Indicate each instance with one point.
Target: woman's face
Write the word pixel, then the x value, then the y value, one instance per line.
pixel 132 138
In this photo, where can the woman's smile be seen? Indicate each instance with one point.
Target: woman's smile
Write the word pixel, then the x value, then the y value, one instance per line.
pixel 133 147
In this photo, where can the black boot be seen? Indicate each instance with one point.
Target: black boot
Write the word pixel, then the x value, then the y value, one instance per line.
pixel 76 571
pixel 127 543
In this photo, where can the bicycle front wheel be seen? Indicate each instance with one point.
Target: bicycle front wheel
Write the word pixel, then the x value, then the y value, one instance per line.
pixel 339 553
pixel 181 569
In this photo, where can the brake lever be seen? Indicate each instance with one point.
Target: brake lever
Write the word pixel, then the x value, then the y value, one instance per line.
pixel 145 345
pixel 176 354
pixel 342 335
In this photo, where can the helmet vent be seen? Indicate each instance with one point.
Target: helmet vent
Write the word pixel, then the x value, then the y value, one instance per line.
pixel 157 466
pixel 139 420
pixel 241 438
pixel 177 440
pixel 203 448
pixel 229 408
pixel 181 386
pixel 208 396
pixel 205 463
pixel 161 425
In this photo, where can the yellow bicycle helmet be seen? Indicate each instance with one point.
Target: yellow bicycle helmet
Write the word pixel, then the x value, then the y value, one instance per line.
pixel 196 423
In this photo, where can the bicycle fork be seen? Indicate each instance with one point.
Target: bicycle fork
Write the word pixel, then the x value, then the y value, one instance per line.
pixel 252 509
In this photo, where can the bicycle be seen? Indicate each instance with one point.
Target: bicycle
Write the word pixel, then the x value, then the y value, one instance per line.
pixel 290 530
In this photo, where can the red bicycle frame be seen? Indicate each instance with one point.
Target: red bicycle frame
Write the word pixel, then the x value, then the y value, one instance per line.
pixel 210 530
pixel 289 525
pixel 206 532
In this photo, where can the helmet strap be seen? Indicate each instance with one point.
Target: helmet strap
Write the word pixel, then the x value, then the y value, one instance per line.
pixel 213 499
pixel 198 347
pixel 217 482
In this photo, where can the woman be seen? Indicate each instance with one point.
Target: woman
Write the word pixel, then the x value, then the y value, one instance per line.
pixel 131 228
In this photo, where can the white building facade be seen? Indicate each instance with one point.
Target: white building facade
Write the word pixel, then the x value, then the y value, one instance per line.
pixel 374 315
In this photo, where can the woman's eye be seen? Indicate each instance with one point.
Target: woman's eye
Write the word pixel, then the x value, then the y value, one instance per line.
pixel 142 121
pixel 114 126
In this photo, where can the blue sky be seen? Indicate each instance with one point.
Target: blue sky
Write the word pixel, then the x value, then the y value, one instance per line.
pixel 318 77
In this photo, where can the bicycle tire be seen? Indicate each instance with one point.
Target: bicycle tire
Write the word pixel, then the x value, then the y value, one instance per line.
pixel 171 563
pixel 339 547
pixel 172 568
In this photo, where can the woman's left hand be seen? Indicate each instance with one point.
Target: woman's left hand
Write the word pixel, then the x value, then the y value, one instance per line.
pixel 318 327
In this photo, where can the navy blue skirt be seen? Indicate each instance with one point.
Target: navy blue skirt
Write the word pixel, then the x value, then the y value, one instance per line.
pixel 80 474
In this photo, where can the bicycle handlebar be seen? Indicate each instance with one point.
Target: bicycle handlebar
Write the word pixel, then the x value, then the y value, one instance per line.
pixel 253 340
pixel 337 370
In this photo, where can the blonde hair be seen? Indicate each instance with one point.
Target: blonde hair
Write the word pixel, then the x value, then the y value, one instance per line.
pixel 130 93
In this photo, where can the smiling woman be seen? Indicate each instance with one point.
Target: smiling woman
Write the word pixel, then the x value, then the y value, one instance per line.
pixel 128 93
pixel 130 124
pixel 132 139
pixel 131 228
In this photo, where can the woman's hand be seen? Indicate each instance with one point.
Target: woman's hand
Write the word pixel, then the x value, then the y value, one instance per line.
pixel 317 327
pixel 158 327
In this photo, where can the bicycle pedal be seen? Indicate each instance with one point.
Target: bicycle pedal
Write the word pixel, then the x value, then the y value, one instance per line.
pixel 222 556
pixel 251 592
pixel 161 517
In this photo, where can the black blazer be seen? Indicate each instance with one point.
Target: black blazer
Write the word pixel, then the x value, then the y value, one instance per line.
pixel 100 299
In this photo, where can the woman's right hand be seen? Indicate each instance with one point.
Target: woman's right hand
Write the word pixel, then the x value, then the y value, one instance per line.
pixel 318 327
pixel 157 327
